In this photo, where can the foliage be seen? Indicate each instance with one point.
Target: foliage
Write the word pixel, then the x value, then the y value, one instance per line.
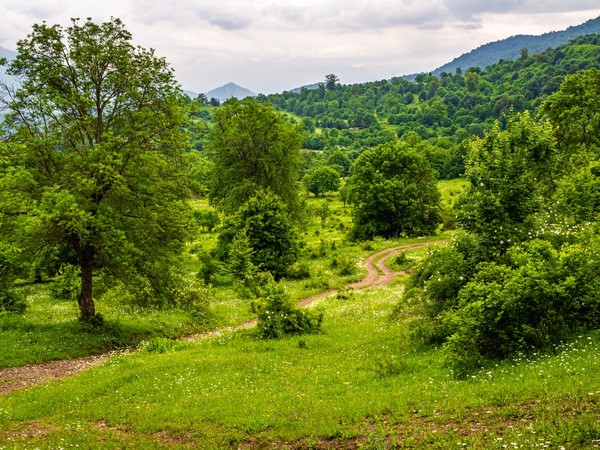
pixel 339 161
pixel 208 218
pixel 449 105
pixel 510 172
pixel 525 277
pixel 209 267
pixel 253 148
pixel 94 156
pixel 577 197
pixel 239 257
pixel 278 317
pixel 66 285
pixel 321 180
pixel 10 300
pixel 536 297
pixel 574 110
pixel 265 235
pixel 323 212
pixel 393 192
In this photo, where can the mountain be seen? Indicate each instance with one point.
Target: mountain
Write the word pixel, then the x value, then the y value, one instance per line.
pixel 190 94
pixel 510 48
pixel 229 90
pixel 6 53
pixel 307 86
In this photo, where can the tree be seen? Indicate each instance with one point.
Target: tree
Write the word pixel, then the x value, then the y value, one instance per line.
pixel 277 314
pixel 93 156
pixel 523 54
pixel 202 100
pixel 509 172
pixel 338 159
pixel 10 300
pixel 393 191
pixel 575 110
pixel 265 229
pixel 321 180
pixel 331 81
pixel 207 218
pixel 253 148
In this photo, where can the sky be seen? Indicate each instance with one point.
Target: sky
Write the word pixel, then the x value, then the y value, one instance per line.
pixel 270 46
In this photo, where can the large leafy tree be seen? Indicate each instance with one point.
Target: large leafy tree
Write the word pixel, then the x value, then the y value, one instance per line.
pixel 253 148
pixel 263 222
pixel 575 110
pixel 393 190
pixel 322 179
pixel 92 159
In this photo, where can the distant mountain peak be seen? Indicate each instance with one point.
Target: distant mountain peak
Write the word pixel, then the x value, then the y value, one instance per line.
pixel 228 91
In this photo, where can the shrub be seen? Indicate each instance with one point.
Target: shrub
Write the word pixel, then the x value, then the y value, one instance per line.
pixel 298 271
pixel 278 317
pixel 344 265
pixel 263 227
pixel 67 285
pixel 209 267
pixel 10 300
pixel 536 297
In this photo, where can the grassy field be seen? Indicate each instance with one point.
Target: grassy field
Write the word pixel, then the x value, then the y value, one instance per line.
pixel 50 328
pixel 360 383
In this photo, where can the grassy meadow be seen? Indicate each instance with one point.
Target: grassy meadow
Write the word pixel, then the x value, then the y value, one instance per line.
pixel 360 383
pixel 50 328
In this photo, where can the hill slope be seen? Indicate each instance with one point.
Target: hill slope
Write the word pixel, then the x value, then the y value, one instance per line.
pixel 510 48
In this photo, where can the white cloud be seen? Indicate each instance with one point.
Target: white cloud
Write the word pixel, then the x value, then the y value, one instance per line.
pixel 271 45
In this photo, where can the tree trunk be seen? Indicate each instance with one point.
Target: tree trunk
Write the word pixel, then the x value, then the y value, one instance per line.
pixel 85 300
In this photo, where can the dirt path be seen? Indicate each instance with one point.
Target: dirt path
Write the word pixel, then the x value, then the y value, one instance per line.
pixel 15 378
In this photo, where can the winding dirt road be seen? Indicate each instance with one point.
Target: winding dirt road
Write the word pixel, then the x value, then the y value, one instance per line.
pixel 15 378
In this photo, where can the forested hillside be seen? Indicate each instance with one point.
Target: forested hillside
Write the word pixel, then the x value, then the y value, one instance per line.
pixel 441 110
pixel 510 48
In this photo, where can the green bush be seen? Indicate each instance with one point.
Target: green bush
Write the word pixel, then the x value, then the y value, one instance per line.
pixel 209 267
pixel 532 298
pixel 67 285
pixel 263 234
pixel 298 271
pixel 344 265
pixel 10 300
pixel 279 317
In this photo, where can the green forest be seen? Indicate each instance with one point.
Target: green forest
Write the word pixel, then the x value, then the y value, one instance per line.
pixel 394 264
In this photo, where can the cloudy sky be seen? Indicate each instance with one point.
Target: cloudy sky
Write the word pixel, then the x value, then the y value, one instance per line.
pixel 274 45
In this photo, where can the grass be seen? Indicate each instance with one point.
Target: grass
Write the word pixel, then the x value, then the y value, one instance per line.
pixel 50 330
pixel 360 383
pixel 450 190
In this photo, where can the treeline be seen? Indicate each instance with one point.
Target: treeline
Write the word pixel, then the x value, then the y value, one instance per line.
pixel 442 111
pixel 510 48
